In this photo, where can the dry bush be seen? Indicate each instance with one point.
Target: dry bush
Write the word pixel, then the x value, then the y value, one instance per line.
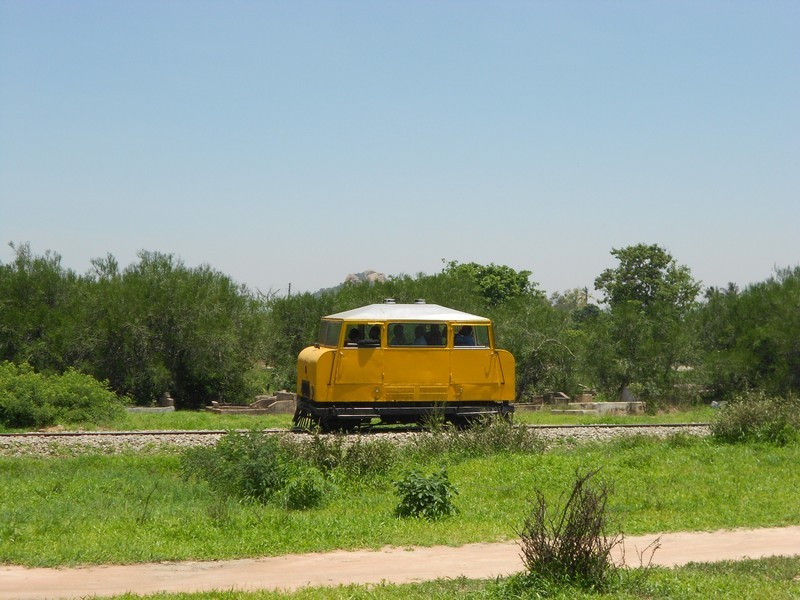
pixel 568 543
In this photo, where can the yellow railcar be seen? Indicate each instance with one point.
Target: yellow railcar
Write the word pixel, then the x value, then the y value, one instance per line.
pixel 399 363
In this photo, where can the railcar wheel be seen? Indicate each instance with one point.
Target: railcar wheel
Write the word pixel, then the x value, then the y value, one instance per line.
pixel 462 422
pixel 328 424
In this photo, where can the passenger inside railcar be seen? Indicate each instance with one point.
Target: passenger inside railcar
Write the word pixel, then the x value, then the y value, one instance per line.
pixel 464 337
pixel 398 336
pixel 375 333
pixel 434 335
pixel 353 337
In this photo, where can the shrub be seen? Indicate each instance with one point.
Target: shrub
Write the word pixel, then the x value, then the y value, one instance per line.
pixel 325 452
pixel 568 544
pixel 29 399
pixel 351 455
pixel 493 435
pixel 430 497
pixel 756 417
pixel 250 465
pixel 364 458
pixel 485 437
pixel 306 489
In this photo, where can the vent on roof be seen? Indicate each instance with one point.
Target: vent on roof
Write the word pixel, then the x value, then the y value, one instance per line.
pixel 419 301
pixel 388 301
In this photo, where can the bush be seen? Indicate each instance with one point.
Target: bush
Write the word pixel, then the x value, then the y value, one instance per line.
pixel 369 458
pixel 29 399
pixel 569 544
pixel 485 437
pixel 351 455
pixel 492 435
pixel 429 497
pixel 304 490
pixel 756 417
pixel 251 465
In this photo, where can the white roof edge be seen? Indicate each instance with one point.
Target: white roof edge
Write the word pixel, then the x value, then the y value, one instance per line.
pixel 406 312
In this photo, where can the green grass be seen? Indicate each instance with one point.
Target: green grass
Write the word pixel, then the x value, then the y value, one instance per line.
pixel 698 414
pixel 136 508
pixel 774 578
pixel 193 420
pixel 199 420
pixel 196 420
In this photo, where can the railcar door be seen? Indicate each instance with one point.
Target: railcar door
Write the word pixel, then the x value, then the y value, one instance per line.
pixel 417 363
pixel 475 367
pixel 359 364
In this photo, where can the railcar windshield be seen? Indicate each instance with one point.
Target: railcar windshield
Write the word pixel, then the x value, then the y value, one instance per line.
pixel 363 335
pixel 417 334
pixel 329 333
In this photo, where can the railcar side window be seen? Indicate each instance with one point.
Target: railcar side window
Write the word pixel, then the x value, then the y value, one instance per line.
pixel 481 335
pixel 363 335
pixel 417 334
pixel 472 335
pixel 329 333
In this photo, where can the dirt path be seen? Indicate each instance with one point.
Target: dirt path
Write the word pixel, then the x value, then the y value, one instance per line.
pixel 395 565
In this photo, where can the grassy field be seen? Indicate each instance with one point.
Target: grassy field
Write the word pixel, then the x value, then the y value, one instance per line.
pixel 191 420
pixel 100 509
pixel 136 508
pixel 698 414
pixel 205 420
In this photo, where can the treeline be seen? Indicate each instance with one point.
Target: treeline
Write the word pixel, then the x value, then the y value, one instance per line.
pixel 159 326
pixel 155 327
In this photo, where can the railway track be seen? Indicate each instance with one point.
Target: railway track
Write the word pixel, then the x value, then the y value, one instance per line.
pixel 625 426
pixel 59 443
pixel 373 431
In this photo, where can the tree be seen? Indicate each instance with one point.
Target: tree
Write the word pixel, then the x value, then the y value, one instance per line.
pixel 160 326
pixel 751 338
pixel 570 300
pixel 39 310
pixel 544 342
pixel 643 337
pixel 496 283
pixel 647 276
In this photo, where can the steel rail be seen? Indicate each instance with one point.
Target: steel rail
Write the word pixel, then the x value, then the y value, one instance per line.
pixel 142 432
pixel 212 432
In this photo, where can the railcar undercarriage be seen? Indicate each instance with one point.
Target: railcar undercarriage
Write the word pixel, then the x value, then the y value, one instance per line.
pixel 349 416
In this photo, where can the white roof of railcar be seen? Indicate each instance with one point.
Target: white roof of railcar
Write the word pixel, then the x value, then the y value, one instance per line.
pixel 406 312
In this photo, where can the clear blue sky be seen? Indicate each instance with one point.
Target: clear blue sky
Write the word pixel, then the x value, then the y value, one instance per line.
pixel 300 141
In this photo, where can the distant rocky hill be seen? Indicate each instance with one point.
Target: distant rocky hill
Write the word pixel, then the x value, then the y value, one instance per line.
pixel 365 277
pixel 370 277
